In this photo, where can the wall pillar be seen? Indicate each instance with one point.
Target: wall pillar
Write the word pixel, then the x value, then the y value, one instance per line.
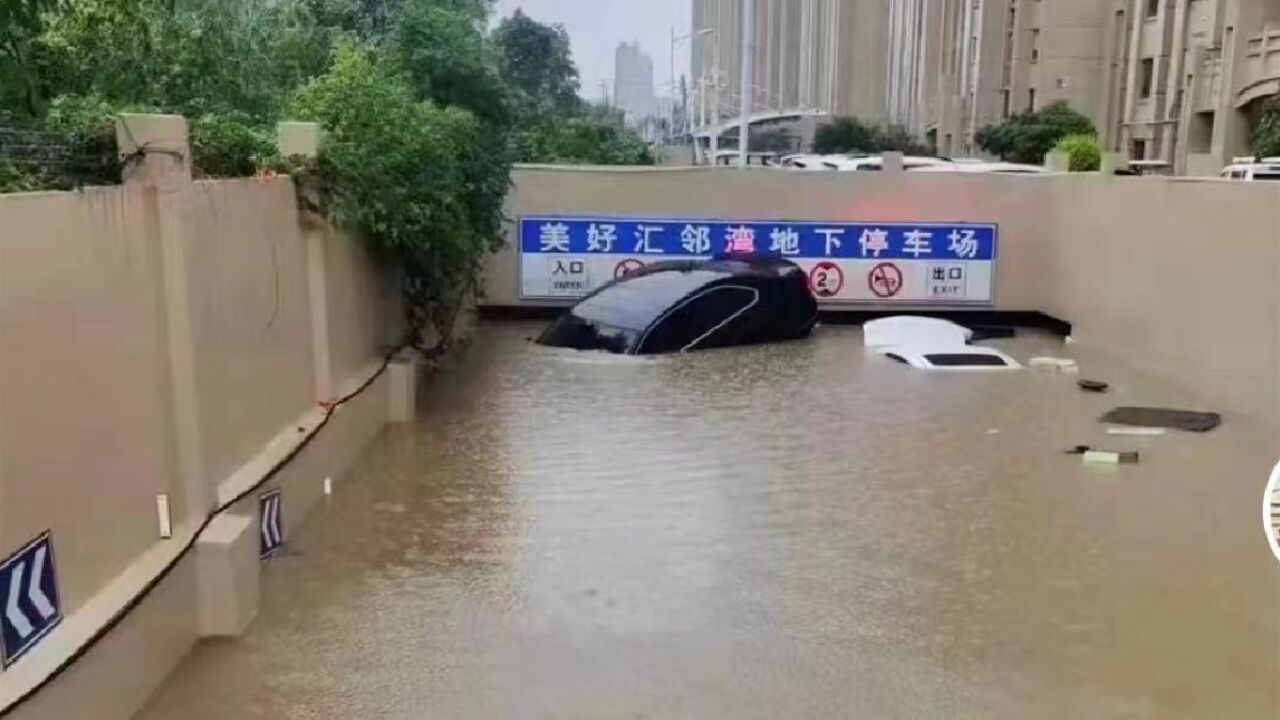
pixel 157 158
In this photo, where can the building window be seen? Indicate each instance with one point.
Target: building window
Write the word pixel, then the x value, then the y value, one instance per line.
pixel 1139 150
pixel 1031 99
pixel 1153 8
pixel 1035 46
pixel 1148 76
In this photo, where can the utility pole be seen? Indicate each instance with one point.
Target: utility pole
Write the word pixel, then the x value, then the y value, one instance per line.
pixel 684 105
pixel 748 63
pixel 715 101
pixel 671 107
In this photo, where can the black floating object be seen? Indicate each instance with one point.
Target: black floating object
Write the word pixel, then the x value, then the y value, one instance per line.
pixel 991 332
pixel 1188 420
pixel 1092 386
pixel 1078 450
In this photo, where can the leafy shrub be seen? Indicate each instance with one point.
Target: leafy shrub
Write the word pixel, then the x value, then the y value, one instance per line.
pixel 394 169
pixel 84 127
pixel 1084 151
pixel 15 178
pixel 228 146
pixel 1026 137
pixel 851 135
pixel 1266 137
pixel 595 138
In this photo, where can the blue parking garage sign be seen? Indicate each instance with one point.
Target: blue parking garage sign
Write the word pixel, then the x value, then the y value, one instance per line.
pixel 924 263
pixel 29 602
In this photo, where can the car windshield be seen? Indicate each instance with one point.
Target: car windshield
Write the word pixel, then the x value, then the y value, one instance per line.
pixel 635 304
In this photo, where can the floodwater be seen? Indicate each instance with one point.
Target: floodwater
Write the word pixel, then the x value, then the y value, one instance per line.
pixel 791 531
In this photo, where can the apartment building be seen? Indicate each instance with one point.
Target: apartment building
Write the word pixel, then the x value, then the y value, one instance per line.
pixel 828 56
pixel 1177 81
pixel 964 64
pixel 1193 79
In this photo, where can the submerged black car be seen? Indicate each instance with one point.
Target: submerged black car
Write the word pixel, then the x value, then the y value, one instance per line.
pixel 675 306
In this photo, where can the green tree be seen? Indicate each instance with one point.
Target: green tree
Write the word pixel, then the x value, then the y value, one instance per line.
pixel 774 139
pixel 21 24
pixel 449 59
pixel 393 168
pixel 1266 136
pixel 843 134
pixel 851 135
pixel 1026 137
pixel 229 146
pixel 186 56
pixel 538 64
pixel 595 136
pixel 1084 151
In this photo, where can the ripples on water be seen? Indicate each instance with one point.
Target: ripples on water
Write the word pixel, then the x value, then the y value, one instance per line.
pixel 795 530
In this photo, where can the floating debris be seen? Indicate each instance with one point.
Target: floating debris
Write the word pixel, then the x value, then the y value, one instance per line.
pixel 1188 420
pixel 1110 457
pixel 1136 431
pixel 1066 366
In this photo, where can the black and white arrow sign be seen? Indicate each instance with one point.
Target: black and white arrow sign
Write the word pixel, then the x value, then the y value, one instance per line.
pixel 29 605
pixel 271 527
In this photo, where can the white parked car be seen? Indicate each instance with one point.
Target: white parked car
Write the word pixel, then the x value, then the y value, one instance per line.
pixel 986 168
pixel 1250 169
pixel 874 163
pixel 810 162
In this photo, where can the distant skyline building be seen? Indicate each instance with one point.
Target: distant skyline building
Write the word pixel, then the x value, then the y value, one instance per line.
pixel 633 91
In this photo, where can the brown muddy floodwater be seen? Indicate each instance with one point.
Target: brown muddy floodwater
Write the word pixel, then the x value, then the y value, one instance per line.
pixel 791 531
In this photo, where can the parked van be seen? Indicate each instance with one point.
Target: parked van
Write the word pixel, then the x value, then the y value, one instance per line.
pixel 1252 169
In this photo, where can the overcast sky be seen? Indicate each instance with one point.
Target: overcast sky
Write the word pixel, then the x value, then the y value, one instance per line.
pixel 597 26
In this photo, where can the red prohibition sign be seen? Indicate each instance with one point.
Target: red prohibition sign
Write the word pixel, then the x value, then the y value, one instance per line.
pixel 826 279
pixel 885 280
pixel 626 266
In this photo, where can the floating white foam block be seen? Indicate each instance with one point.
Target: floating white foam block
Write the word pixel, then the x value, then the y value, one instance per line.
pixel 1139 431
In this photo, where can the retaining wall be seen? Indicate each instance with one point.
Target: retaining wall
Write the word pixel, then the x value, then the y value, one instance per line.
pixel 170 338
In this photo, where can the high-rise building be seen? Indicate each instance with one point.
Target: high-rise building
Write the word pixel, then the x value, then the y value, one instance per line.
pixel 1177 81
pixel 633 83
pixel 811 57
pixel 961 64
pixel 1190 85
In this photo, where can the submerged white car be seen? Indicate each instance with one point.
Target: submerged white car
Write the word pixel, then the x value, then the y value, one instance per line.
pixel 934 344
